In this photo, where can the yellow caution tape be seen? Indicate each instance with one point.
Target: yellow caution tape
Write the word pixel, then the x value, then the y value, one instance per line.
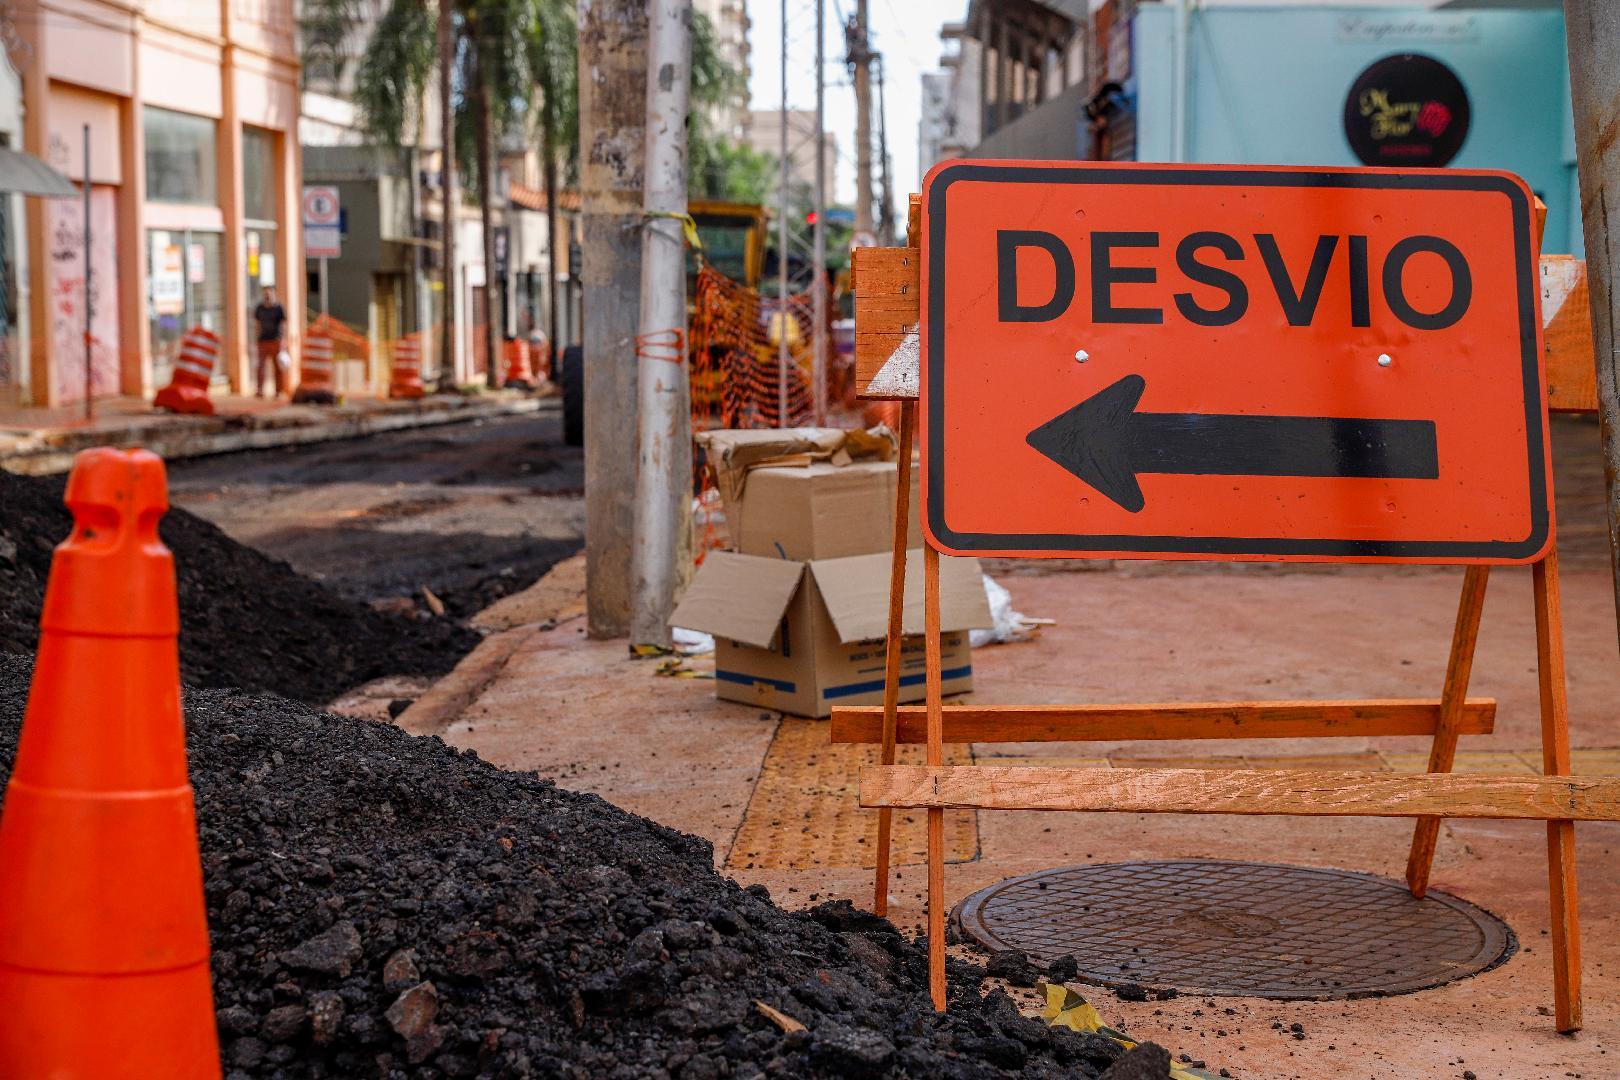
pixel 675 668
pixel 1065 1008
pixel 688 226
pixel 649 652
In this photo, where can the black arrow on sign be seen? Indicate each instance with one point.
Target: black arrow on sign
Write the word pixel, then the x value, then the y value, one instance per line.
pixel 1106 442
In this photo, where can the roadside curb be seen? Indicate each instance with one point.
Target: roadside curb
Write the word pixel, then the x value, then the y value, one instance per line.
pixel 557 598
pixel 447 699
pixel 52 450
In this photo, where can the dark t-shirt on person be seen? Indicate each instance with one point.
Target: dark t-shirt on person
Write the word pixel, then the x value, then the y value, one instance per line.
pixel 271 318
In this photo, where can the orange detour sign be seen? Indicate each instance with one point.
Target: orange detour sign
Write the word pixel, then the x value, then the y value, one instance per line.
pixel 1228 363
pixel 1232 362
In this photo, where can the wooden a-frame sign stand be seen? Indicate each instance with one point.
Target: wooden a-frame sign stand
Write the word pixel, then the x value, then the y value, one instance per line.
pixel 887 296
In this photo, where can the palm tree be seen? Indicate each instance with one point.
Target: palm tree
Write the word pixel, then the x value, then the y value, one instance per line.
pixel 503 66
pixel 408 45
pixel 483 50
pixel 554 65
pixel 445 48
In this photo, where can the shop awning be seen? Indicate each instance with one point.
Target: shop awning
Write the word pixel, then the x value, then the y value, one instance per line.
pixel 25 174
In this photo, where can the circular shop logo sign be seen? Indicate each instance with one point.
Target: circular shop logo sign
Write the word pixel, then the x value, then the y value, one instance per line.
pixel 1406 110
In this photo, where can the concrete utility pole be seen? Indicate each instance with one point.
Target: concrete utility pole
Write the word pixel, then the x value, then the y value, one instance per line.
pixel 818 358
pixel 782 202
pixel 1593 30
pixel 447 188
pixel 885 218
pixel 663 510
pixel 860 59
pixel 1180 61
pixel 612 115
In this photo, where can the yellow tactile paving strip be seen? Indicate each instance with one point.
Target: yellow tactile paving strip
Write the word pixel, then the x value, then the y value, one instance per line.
pixel 804 812
pixel 1603 762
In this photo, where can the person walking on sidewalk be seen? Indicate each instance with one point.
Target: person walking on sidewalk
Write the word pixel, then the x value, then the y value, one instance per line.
pixel 272 320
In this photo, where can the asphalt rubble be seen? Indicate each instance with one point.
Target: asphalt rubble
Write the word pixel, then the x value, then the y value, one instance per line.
pixel 247 621
pixel 386 905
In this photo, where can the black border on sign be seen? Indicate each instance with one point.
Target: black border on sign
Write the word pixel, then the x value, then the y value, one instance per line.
pixel 1439 551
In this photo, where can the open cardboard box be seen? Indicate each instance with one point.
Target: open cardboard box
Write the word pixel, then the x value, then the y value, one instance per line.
pixel 803 636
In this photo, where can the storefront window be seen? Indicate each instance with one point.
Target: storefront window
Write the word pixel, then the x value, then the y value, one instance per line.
pixel 184 289
pixel 258 175
pixel 259 198
pixel 180 161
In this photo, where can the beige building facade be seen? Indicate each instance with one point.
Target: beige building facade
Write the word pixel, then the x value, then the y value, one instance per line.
pixel 191 108
pixel 731 24
pixel 765 136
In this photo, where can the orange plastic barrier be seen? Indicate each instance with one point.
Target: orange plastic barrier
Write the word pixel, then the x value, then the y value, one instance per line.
pixel 187 391
pixel 103 930
pixel 405 381
pixel 519 374
pixel 315 370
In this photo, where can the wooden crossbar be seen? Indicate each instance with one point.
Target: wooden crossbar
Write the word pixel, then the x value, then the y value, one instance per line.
pixel 1200 720
pixel 1285 792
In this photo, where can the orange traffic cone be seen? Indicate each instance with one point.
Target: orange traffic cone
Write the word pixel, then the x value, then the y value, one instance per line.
pixel 103 930
pixel 187 392
pixel 518 374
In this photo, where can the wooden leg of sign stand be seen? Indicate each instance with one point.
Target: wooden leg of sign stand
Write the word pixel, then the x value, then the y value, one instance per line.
pixel 936 757
pixel 1443 751
pixel 891 660
pixel 1566 930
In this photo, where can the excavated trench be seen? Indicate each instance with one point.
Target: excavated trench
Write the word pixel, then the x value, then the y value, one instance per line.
pixel 247 621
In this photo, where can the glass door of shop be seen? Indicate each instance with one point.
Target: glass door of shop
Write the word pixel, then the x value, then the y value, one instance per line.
pixel 185 288
pixel 262 269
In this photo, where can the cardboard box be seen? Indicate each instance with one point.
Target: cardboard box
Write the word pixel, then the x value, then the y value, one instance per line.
pixel 808 493
pixel 820 511
pixel 803 636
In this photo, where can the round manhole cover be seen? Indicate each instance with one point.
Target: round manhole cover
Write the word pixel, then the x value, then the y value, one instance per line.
pixel 1238 928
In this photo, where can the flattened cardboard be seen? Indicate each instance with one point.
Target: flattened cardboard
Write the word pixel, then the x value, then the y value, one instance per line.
pixel 856 592
pixel 732 452
pixel 739 597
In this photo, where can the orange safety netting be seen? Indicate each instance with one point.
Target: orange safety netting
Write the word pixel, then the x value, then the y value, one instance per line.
pixel 736 374
pixel 427 345
pixel 347 343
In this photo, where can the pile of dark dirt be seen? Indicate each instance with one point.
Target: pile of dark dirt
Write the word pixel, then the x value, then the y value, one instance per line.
pixel 385 905
pixel 246 620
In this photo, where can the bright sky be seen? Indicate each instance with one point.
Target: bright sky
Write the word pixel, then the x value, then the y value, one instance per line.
pixel 906 32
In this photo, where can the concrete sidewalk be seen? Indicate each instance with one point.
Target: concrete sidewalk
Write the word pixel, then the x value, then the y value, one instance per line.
pixel 779 803
pixel 45 440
